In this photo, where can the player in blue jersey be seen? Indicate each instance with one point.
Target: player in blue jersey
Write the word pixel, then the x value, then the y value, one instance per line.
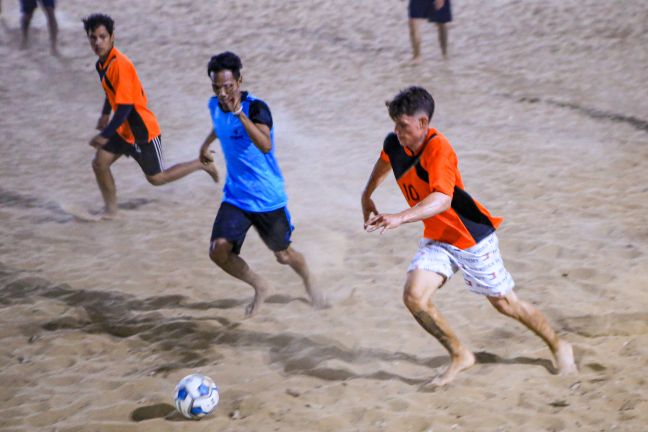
pixel 254 193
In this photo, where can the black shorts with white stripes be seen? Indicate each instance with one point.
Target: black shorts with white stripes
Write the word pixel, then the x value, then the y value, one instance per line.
pixel 149 156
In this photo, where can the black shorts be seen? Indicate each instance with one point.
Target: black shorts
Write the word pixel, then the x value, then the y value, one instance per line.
pixel 28 6
pixel 149 156
pixel 420 8
pixel 232 224
pixel 443 15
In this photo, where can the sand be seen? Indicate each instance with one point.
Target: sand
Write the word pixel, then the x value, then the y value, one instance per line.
pixel 545 104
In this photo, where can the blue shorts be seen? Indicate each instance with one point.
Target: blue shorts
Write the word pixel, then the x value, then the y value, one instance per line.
pixel 28 6
pixel 232 224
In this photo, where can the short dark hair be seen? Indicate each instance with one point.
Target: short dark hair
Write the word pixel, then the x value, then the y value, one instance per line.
pixel 225 61
pixel 411 101
pixel 91 22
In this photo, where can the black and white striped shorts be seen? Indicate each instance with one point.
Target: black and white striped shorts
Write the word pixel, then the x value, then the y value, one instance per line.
pixel 149 156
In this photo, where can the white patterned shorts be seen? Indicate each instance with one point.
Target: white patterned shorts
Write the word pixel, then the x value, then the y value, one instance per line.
pixel 482 266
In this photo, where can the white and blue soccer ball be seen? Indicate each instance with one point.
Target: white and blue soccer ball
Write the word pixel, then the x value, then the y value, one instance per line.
pixel 196 396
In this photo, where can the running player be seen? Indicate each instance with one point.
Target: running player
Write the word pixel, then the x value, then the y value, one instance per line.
pixel 459 232
pixel 133 130
pixel 254 193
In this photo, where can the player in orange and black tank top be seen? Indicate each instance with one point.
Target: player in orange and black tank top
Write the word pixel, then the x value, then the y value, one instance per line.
pixel 133 130
pixel 459 232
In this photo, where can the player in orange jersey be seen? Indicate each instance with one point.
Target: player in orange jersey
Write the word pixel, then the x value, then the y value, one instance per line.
pixel 133 130
pixel 459 232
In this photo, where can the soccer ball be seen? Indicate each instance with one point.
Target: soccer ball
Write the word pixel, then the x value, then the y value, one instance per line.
pixel 196 396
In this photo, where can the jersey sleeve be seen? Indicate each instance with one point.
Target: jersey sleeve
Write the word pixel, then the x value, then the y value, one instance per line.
pixel 388 145
pixel 441 166
pixel 123 78
pixel 260 113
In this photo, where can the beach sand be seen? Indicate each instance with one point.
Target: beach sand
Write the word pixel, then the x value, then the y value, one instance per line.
pixel 545 104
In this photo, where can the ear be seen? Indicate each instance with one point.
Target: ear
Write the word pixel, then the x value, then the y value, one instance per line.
pixel 424 122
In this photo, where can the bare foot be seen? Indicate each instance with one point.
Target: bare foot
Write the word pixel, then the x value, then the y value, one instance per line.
pixel 565 359
pixel 109 215
pixel 318 300
pixel 260 295
pixel 458 363
pixel 210 169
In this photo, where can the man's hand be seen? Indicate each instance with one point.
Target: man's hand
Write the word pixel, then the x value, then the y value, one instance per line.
pixel 103 122
pixel 98 141
pixel 206 155
pixel 383 222
pixel 233 106
pixel 368 207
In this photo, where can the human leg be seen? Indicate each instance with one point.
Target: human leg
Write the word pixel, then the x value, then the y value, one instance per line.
pixel 417 295
pixel 511 306
pixel 275 229
pixel 27 8
pixel 180 170
pixel 52 26
pixel 443 38
pixel 150 158
pixel 221 253
pixel 415 38
pixel 297 262
pixel 228 234
pixel 101 166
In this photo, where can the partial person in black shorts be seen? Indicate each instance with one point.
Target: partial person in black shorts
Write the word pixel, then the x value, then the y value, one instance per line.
pixel 233 223
pixel 437 11
pixel 27 8
pixel 133 129
pixel 149 156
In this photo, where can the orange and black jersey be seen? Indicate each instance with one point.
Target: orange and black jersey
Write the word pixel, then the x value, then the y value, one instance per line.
pixel 435 169
pixel 122 86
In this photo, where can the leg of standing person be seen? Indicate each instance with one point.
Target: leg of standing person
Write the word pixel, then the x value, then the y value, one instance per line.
pixel 415 38
pixel 511 306
pixel 417 295
pixel 27 12
pixel 52 27
pixel 101 166
pixel 443 39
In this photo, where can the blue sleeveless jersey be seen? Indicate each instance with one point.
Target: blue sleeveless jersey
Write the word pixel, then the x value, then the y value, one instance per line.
pixel 254 182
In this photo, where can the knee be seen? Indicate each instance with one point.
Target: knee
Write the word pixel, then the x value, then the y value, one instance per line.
pixel 283 257
pixel 156 180
pixel 503 306
pixel 98 166
pixel 219 253
pixel 415 300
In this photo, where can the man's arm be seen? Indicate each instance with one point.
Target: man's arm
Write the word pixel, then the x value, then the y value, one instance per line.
pixel 121 114
pixel 259 133
pixel 104 118
pixel 206 155
pixel 378 174
pixel 432 205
